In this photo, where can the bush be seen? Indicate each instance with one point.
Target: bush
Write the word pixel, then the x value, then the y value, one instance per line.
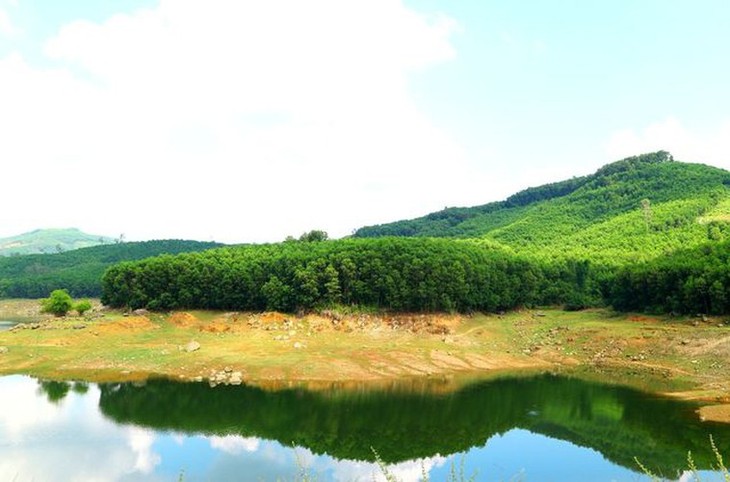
pixel 82 307
pixel 59 303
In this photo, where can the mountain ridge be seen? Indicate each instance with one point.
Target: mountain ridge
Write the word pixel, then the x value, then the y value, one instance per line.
pixel 50 240
pixel 636 208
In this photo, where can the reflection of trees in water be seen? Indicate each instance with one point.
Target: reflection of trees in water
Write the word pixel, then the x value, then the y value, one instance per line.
pixel 621 423
pixel 55 391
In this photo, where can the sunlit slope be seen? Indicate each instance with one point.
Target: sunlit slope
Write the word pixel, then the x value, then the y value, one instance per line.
pixel 636 208
pixel 49 241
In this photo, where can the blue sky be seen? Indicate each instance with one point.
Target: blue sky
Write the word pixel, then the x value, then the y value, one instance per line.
pixel 249 121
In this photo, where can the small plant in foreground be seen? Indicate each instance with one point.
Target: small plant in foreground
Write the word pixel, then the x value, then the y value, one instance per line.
pixel 304 475
pixel 692 467
pixel 454 475
pixel 388 475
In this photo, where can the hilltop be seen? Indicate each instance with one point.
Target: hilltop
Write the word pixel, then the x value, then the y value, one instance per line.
pixel 634 209
pixel 41 241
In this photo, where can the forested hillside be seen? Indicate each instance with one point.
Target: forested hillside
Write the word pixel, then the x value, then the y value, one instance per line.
pixel 695 280
pixel 400 274
pixel 631 210
pixel 644 233
pixel 46 241
pixel 79 271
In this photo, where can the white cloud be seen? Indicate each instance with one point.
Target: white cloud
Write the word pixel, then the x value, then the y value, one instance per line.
pixel 240 121
pixel 140 442
pixel 689 145
pixel 7 29
pixel 36 443
pixel 25 410
pixel 233 444
pixel 413 470
pixel 407 471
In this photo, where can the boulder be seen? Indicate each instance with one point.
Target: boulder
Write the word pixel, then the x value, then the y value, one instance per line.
pixel 236 378
pixel 192 346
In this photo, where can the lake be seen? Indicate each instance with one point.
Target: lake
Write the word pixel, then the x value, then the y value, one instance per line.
pixel 542 427
pixel 5 325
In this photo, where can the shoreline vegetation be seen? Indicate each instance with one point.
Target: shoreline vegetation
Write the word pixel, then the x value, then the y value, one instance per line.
pixel 349 349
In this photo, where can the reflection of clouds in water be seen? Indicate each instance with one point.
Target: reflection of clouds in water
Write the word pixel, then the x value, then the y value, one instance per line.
pixel 255 459
pixel 686 476
pixel 25 411
pixel 689 475
pixel 140 441
pixel 70 440
pixel 412 470
pixel 348 470
pixel 234 444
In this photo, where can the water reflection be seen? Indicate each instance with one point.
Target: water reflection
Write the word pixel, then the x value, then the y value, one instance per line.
pixel 620 423
pixel 545 427
pixel 6 325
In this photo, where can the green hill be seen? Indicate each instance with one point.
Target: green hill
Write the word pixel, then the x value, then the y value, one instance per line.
pixel 586 241
pixel 631 210
pixel 49 241
pixel 79 271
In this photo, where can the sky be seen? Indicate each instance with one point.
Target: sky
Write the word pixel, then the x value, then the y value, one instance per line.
pixel 246 121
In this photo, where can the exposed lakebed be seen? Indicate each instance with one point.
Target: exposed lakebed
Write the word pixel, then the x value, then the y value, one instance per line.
pixel 542 427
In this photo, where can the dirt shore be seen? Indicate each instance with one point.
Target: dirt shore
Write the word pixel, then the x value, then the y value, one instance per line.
pixel 683 357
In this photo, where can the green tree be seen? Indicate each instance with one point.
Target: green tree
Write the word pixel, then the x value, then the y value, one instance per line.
pixel 55 391
pixel 314 236
pixel 59 303
pixel 277 294
pixel 646 210
pixel 82 307
pixel 333 292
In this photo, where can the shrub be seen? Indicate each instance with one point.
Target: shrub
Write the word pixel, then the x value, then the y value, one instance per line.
pixel 82 307
pixel 59 303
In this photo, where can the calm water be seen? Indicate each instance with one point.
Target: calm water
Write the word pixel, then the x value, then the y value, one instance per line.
pixel 539 428
pixel 4 325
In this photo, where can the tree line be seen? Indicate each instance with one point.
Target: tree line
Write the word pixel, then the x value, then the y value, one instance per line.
pixel 686 282
pixel 78 271
pixel 400 274
pixel 415 274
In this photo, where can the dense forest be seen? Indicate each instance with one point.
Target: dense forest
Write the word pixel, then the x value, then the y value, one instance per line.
pixel 78 271
pixel 394 273
pixel 689 281
pixel 644 233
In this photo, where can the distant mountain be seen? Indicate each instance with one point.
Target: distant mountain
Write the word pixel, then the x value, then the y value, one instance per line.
pixel 46 241
pixel 634 209
pixel 80 270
